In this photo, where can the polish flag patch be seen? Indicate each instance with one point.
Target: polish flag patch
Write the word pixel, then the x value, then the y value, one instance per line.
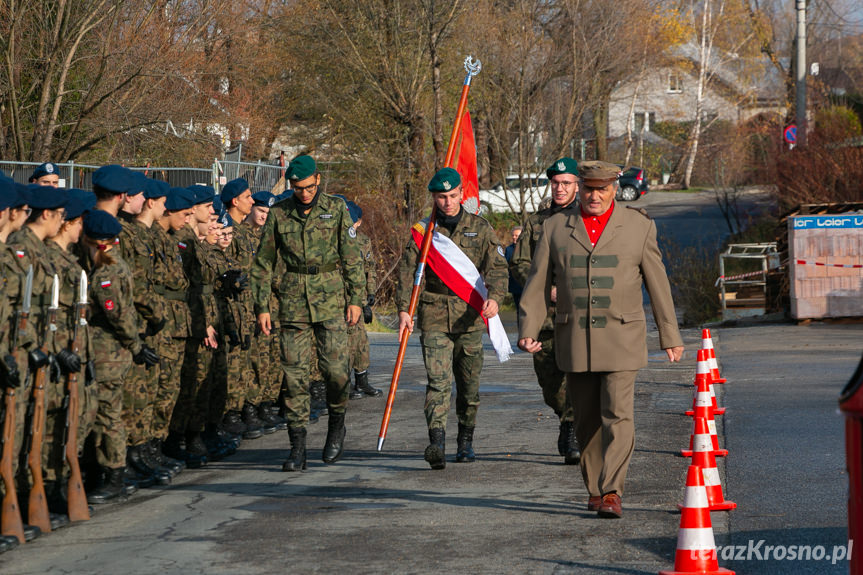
pixel 181 245
pixel 19 253
pixel 109 305
pixel 106 284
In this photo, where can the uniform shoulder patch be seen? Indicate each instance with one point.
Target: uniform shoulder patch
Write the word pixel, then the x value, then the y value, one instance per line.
pixel 641 211
pixel 326 216
pixel 500 251
pixel 352 232
pixel 105 284
pixel 109 305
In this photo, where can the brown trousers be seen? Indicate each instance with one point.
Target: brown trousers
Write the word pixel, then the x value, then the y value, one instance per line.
pixel 604 425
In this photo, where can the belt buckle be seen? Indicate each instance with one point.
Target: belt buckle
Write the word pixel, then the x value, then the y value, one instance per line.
pixel 313 270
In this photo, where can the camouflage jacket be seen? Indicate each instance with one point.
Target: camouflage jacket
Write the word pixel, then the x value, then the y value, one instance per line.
pixel 439 308
pixel 114 325
pixel 69 272
pixel 171 283
pixel 243 249
pixel 29 249
pixel 137 250
pixel 368 263
pixel 209 265
pixel 231 310
pixel 11 284
pixel 321 256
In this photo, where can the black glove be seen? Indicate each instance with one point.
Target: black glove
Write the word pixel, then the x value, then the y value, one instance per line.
pixel 247 343
pixel 146 357
pixel 37 359
pixel 367 314
pixel 233 340
pixel 370 300
pixel 154 327
pixel 10 376
pixel 69 362
pixel 53 369
pixel 233 282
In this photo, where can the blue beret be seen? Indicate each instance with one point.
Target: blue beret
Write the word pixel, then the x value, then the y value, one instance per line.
pixel 264 199
pixel 8 194
pixel 45 169
pixel 23 196
pixel 113 179
pixel 218 205
pixel 226 220
pixel 233 189
pixel 156 189
pixel 47 197
pixel 445 180
pixel 138 183
pixel 355 211
pixel 203 194
pixel 100 225
pixel 179 199
pixel 301 168
pixel 80 201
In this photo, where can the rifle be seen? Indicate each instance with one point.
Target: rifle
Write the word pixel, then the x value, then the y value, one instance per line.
pixel 75 496
pixel 11 515
pixel 37 505
pixel 472 70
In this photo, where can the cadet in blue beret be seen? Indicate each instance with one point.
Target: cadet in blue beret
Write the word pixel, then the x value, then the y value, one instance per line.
pixel 261 209
pixel 233 189
pixel 135 198
pixel 237 198
pixel 111 184
pixel 100 225
pixel 179 199
pixel 18 210
pixel 265 199
pixel 7 193
pixel 218 206
pixel 46 197
pixel 203 194
pixel 79 202
pixel 156 189
pixel 47 174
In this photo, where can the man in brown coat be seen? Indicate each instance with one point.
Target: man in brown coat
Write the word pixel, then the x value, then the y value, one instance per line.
pixel 598 255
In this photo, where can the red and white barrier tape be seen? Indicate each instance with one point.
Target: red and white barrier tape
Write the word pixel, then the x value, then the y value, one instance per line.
pixel 823 264
pixel 737 277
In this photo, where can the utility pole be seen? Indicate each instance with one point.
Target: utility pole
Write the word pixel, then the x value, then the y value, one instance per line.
pixel 800 67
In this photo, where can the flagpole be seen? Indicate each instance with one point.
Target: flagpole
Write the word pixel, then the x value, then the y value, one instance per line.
pixel 472 68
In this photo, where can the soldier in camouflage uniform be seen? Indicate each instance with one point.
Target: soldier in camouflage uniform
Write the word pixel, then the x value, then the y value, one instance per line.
pixel 358 339
pixel 116 345
pixel 451 329
pixel 312 233
pixel 563 175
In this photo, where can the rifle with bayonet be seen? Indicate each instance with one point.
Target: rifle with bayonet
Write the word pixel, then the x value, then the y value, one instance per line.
pixel 11 523
pixel 75 495
pixel 37 503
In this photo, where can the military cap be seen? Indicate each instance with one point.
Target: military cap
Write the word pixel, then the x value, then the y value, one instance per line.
pixel 22 197
pixel 264 199
pixel 179 199
pixel 565 165
pixel 233 189
pixel 301 168
pixel 80 201
pixel 138 183
pixel 597 172
pixel 445 180
pixel 113 179
pixel 203 194
pixel 47 197
pixel 8 194
pixel 100 225
pixel 355 211
pixel 218 205
pixel 156 189
pixel 45 169
pixel 226 220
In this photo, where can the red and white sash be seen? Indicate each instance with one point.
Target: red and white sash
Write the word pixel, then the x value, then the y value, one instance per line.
pixel 460 275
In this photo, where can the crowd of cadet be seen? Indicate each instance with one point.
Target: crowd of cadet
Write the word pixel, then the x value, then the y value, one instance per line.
pixel 129 342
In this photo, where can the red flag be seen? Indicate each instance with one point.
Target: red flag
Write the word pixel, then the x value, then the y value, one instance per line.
pixel 466 165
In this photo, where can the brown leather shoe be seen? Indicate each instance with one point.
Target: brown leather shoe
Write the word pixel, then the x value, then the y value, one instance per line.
pixel 611 507
pixel 594 502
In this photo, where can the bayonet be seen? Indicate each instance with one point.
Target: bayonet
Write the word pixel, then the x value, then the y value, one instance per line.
pixel 55 304
pixel 82 297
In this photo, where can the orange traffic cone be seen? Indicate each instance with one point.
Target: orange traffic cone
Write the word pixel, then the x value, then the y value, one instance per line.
pixel 707 344
pixel 696 548
pixel 704 408
pixel 703 457
pixel 703 370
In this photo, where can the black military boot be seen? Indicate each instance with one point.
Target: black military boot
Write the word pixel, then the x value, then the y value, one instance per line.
pixel 318 395
pixel 174 466
pixel 435 453
pixel 175 446
pixel 355 393
pixel 361 383
pixel 464 442
pixel 55 495
pixel 571 452
pixel 268 414
pixel 111 489
pixel 252 423
pixel 232 422
pixel 132 482
pixel 195 449
pixel 217 448
pixel 297 458
pixel 162 472
pixel 335 444
pixel 144 474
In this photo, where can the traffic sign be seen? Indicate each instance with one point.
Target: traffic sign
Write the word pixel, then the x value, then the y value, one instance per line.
pixel 790 134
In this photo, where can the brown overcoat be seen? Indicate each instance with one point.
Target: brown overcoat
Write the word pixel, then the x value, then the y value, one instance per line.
pixel 599 324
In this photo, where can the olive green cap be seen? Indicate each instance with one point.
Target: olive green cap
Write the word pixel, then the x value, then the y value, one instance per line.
pixel 301 168
pixel 565 165
pixel 445 180
pixel 598 171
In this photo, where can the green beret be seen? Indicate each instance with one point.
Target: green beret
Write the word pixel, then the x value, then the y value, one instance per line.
pixel 598 170
pixel 445 180
pixel 565 165
pixel 301 168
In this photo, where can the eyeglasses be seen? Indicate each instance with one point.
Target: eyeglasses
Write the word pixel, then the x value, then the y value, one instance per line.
pixel 302 189
pixel 28 210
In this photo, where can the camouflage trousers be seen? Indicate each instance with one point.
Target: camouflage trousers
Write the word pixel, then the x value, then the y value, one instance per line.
pixel 109 430
pixel 240 376
pixel 139 394
pixel 171 350
pixel 193 385
pixel 448 355
pixel 551 380
pixel 259 358
pixel 212 404
pixel 330 341
pixel 358 343
pixel 277 376
pixel 53 448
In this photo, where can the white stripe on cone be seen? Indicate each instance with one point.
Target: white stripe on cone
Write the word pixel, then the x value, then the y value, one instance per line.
pixel 696 539
pixel 702 442
pixel 695 496
pixel 711 476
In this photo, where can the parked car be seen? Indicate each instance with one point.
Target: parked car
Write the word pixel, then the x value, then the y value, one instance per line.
pixel 633 184
pixel 505 196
